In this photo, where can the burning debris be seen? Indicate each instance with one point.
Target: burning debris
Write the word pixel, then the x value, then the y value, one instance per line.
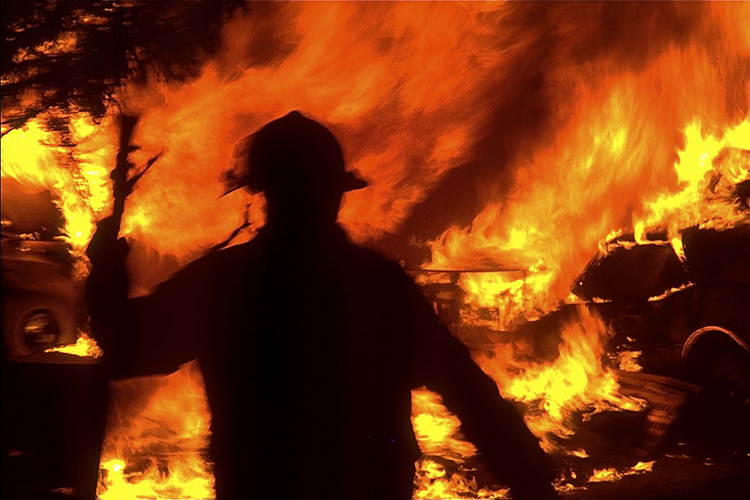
pixel 507 140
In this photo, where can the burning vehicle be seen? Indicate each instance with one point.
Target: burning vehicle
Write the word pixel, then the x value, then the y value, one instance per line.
pixel 41 301
pixel 52 382
pixel 42 279
pixel 681 319
pixel 682 315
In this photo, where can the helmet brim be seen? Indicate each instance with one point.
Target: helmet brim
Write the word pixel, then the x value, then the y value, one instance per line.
pixel 350 182
pixel 353 183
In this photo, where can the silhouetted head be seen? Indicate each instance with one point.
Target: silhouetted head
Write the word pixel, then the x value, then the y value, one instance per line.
pixel 299 165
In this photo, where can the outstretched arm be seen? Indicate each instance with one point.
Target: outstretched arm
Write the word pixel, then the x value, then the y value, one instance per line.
pixel 492 424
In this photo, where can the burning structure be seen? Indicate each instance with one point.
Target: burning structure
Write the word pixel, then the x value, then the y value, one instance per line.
pixel 567 181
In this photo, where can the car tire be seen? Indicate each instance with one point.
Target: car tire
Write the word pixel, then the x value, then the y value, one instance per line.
pixel 17 310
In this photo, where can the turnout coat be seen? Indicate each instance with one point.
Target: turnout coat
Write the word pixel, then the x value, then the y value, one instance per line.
pixel 309 347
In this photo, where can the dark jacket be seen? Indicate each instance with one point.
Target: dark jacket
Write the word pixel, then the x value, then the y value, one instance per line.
pixel 309 348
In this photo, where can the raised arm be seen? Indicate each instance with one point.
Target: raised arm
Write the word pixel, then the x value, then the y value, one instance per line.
pixel 140 336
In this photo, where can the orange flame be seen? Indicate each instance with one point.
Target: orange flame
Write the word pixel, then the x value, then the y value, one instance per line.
pixel 369 83
pixel 628 158
pixel 157 443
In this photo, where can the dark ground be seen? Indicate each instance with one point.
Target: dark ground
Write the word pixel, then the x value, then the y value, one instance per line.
pixel 689 464
pixel 677 478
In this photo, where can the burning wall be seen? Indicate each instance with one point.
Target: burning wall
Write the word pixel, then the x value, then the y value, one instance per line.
pixel 493 134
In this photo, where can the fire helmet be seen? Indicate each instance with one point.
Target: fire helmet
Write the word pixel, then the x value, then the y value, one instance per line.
pixel 290 150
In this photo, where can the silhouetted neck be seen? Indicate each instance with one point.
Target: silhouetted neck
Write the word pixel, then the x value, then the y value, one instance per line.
pixel 304 234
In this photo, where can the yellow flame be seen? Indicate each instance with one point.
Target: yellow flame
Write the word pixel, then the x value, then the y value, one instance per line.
pixel 436 428
pixel 156 419
pixel 574 381
pixel 628 361
pixel 643 466
pixel 85 347
pixel 433 481
pixel 708 168
pixel 76 176
pixel 181 481
pixel 608 474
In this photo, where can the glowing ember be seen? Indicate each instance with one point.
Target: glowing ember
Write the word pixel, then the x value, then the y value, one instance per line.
pixel 671 291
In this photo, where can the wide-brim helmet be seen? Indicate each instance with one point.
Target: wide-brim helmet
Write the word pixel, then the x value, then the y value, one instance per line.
pixel 291 150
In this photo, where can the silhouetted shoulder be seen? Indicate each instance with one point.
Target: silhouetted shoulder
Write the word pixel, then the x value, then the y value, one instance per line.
pixel 379 269
pixel 373 259
pixel 213 269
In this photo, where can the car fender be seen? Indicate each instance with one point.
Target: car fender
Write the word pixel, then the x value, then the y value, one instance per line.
pixel 696 336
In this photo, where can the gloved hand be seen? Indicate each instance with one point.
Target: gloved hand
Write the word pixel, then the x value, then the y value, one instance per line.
pixel 106 249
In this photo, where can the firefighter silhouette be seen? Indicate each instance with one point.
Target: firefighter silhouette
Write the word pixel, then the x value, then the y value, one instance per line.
pixel 309 345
